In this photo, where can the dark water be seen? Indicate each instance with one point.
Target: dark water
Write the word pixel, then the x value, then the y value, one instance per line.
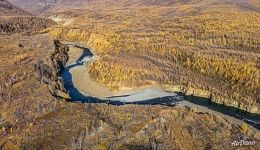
pixel 76 96
pixel 248 117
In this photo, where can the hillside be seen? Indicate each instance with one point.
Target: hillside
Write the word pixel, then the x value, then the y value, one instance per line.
pixel 36 120
pixel 41 6
pixel 16 20
pixel 8 9
pixel 23 24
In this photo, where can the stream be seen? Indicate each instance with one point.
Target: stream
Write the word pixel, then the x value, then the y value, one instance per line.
pixel 147 96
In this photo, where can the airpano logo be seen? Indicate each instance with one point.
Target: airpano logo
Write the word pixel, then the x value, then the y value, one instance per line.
pixel 243 142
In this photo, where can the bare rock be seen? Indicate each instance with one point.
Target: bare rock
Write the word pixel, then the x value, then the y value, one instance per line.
pixel 48 71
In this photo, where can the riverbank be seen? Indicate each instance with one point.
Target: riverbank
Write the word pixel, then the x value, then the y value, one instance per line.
pixel 89 87
pixel 254 109
pixel 86 86
pixel 84 89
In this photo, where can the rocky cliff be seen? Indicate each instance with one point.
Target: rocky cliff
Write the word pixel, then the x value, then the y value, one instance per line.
pixel 216 98
pixel 48 71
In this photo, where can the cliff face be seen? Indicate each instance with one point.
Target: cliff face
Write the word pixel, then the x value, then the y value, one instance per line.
pixel 48 71
pixel 189 91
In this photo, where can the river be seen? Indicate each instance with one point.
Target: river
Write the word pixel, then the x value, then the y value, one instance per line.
pixel 82 88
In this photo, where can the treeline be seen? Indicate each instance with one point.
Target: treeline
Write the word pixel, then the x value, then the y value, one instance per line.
pixel 115 76
pixel 72 34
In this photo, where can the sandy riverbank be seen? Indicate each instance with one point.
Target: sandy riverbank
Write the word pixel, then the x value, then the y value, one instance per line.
pixel 83 82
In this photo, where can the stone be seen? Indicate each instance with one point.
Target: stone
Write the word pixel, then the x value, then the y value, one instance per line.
pixel 48 71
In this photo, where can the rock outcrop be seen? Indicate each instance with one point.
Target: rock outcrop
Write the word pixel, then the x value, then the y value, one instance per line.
pixel 189 91
pixel 49 71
